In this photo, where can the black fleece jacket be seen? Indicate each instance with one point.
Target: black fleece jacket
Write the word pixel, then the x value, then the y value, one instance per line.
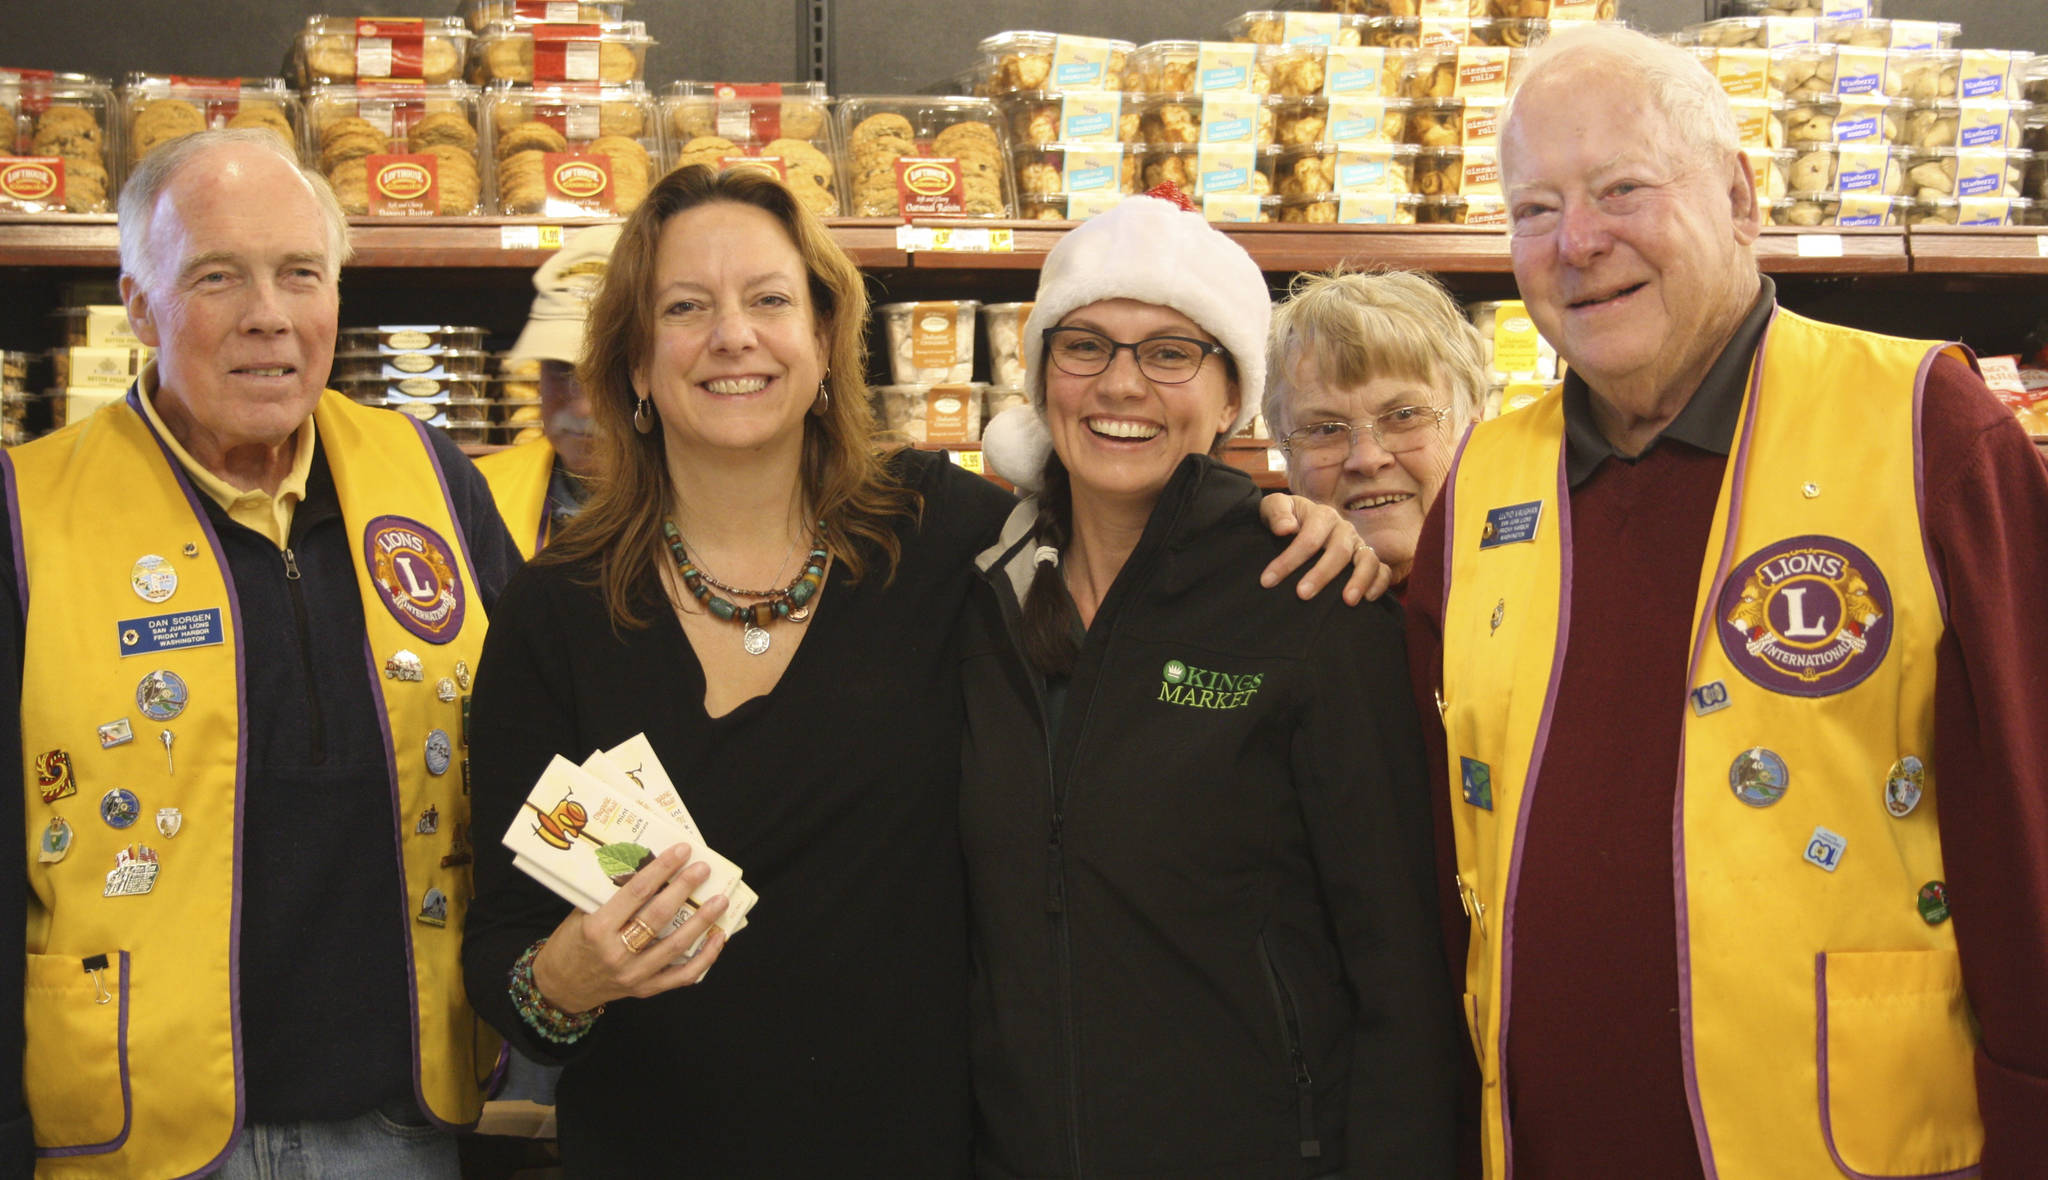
pixel 1205 936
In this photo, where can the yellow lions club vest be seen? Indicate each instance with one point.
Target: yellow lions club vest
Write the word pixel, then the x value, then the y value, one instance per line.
pixel 133 1060
pixel 519 483
pixel 1823 1019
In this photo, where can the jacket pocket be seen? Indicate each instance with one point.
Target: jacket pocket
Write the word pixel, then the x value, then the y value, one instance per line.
pixel 1898 1091
pixel 75 1066
pixel 1288 1008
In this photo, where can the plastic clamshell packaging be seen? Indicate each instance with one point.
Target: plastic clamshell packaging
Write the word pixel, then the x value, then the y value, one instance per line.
pixel 1343 120
pixel 342 49
pixel 1003 325
pixel 1039 117
pixel 60 153
pixel 567 151
pixel 1205 170
pixel 1240 117
pixel 931 413
pixel 923 156
pixel 157 109
pixel 784 129
pixel 481 14
pixel 1068 168
pixel 1019 59
pixel 609 53
pixel 1848 210
pixel 411 338
pixel 930 342
pixel 394 149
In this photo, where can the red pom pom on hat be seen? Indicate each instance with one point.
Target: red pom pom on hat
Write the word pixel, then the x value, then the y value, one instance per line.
pixel 1170 193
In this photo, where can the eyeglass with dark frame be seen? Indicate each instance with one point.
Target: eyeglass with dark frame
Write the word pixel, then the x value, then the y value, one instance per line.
pixel 1169 360
pixel 1326 444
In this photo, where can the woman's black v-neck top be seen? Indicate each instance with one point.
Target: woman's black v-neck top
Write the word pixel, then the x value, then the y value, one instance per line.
pixel 830 1038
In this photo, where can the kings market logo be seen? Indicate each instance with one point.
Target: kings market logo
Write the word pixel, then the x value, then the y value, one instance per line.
pixel 1203 688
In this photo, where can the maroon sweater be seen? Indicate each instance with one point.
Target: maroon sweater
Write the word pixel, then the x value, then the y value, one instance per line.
pixel 1593 1052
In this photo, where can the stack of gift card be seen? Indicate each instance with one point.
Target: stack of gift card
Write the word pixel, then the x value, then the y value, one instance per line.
pixel 585 830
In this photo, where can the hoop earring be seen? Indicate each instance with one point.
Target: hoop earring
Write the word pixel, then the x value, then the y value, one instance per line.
pixel 643 416
pixel 824 399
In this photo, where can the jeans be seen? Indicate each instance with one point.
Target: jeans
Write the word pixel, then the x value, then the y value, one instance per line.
pixel 373 1146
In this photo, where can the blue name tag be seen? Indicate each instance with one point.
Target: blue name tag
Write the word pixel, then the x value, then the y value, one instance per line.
pixel 1477 779
pixel 1510 524
pixel 196 628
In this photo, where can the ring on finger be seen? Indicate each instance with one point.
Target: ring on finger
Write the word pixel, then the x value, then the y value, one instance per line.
pixel 637 936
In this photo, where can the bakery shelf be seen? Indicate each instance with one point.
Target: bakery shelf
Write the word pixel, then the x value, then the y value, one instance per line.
pixel 1832 251
pixel 1947 249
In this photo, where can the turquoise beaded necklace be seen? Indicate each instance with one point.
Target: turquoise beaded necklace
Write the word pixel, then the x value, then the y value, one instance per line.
pixel 790 602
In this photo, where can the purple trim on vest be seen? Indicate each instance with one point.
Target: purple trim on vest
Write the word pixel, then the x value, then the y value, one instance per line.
pixel 1450 495
pixel 454 517
pixel 14 531
pixel 1523 805
pixel 1920 480
pixel 227 575
pixel 1827 1128
pixel 1739 467
pixel 127 1095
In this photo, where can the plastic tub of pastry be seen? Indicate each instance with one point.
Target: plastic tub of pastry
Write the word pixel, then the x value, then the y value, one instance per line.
pixel 1839 120
pixel 1486 211
pixel 1437 123
pixel 1003 325
pixel 568 151
pixel 1039 117
pixel 1267 26
pixel 432 339
pixel 1205 169
pixel 365 138
pixel 931 413
pixel 1066 206
pixel 997 398
pixel 1373 208
pixel 1364 71
pixel 1198 67
pixel 1418 32
pixel 399 387
pixel 396 366
pixel 1311 208
pixel 1751 32
pixel 782 129
pixel 1848 210
pixel 1028 60
pixel 1742 71
pixel 1342 120
pixel 923 156
pixel 1239 208
pixel 1507 332
pixel 1557 10
pixel 157 109
pixel 1975 212
pixel 1934 173
pixel 930 341
pixel 1207 118
pixel 1508 34
pixel 609 53
pixel 1968 123
pixel 1845 168
pixel 1879 33
pixel 481 14
pixel 68 118
pixel 1077 168
pixel 17 368
pixel 1812 9
pixel 344 49
pixel 1348 168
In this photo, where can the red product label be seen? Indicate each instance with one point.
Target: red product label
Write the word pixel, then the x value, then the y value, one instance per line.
pixel 390 47
pixel 749 110
pixel 32 179
pixel 565 53
pixel 928 185
pixel 404 185
pixel 772 165
pixel 34 99
pixel 547 10
pixel 576 183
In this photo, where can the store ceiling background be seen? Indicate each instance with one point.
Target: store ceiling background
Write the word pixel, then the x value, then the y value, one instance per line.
pixel 871 46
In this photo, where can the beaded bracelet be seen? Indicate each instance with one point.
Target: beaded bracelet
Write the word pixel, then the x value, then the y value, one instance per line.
pixel 543 1017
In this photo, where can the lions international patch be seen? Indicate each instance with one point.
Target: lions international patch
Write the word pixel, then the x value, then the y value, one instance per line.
pixel 415 571
pixel 1807 616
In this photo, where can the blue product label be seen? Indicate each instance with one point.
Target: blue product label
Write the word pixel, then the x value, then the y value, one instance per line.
pixel 1857 84
pixel 1864 219
pixel 1226 180
pixel 1856 130
pixel 199 628
pixel 1983 184
pixel 1990 136
pixel 1081 180
pixel 1355 81
pixel 1346 130
pixel 1225 78
pixel 1366 174
pixel 1229 131
pixel 1077 74
pixel 1993 220
pixel 1083 126
pixel 1991 86
pixel 1861 180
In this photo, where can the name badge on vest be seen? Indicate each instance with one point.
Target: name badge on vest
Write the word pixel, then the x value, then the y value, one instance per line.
pixel 416 576
pixel 1806 616
pixel 1510 524
pixel 155 633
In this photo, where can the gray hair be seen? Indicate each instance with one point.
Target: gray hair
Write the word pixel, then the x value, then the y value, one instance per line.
pixel 1358 326
pixel 1697 117
pixel 153 175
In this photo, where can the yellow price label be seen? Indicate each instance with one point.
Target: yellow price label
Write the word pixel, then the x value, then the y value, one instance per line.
pixel 969 461
pixel 551 237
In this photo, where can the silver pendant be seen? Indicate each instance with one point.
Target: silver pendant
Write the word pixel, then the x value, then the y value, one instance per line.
pixel 755 640
pixel 801 614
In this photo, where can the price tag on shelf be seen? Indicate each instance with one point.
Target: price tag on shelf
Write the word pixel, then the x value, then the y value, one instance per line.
pixel 1820 245
pixel 914 237
pixel 968 461
pixel 1275 461
pixel 960 239
pixel 550 237
pixel 519 237
pixel 2041 245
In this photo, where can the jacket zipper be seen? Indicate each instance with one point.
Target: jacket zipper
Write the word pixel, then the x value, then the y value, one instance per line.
pixel 316 725
pixel 1290 1021
pixel 1056 910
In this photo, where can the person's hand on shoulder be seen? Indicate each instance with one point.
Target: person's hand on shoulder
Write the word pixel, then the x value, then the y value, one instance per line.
pixel 1321 533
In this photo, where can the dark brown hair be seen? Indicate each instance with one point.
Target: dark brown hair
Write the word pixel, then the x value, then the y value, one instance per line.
pixel 845 479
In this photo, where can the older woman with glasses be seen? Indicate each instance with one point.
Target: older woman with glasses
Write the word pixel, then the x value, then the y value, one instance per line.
pixel 1194 812
pixel 1373 379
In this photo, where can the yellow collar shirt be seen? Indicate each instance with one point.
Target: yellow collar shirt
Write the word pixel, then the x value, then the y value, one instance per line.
pixel 255 509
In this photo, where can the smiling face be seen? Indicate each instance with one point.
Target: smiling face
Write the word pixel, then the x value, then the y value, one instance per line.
pixel 244 301
pixel 736 355
pixel 1633 259
pixel 1384 495
pixel 1120 434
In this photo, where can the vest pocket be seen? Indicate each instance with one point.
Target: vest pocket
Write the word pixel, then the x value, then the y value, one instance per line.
pixel 75 1066
pixel 1898 1092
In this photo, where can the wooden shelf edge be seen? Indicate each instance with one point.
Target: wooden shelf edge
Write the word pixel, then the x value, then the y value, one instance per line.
pixel 1948 249
pixel 1788 250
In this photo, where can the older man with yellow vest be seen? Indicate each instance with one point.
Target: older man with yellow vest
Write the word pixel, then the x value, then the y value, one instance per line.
pixel 1735 653
pixel 245 613
pixel 539 483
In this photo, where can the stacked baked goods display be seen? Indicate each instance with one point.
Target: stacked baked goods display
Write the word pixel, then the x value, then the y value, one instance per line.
pixel 392 149
pixel 160 108
pixel 571 151
pixel 432 372
pixel 56 144
pixel 347 49
pixel 924 157
pixel 782 128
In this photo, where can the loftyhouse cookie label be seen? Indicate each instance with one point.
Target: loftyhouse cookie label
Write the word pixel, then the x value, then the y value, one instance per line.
pixel 1807 616
pixel 405 185
pixel 928 185
pixel 32 180
pixel 577 183
pixel 414 569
